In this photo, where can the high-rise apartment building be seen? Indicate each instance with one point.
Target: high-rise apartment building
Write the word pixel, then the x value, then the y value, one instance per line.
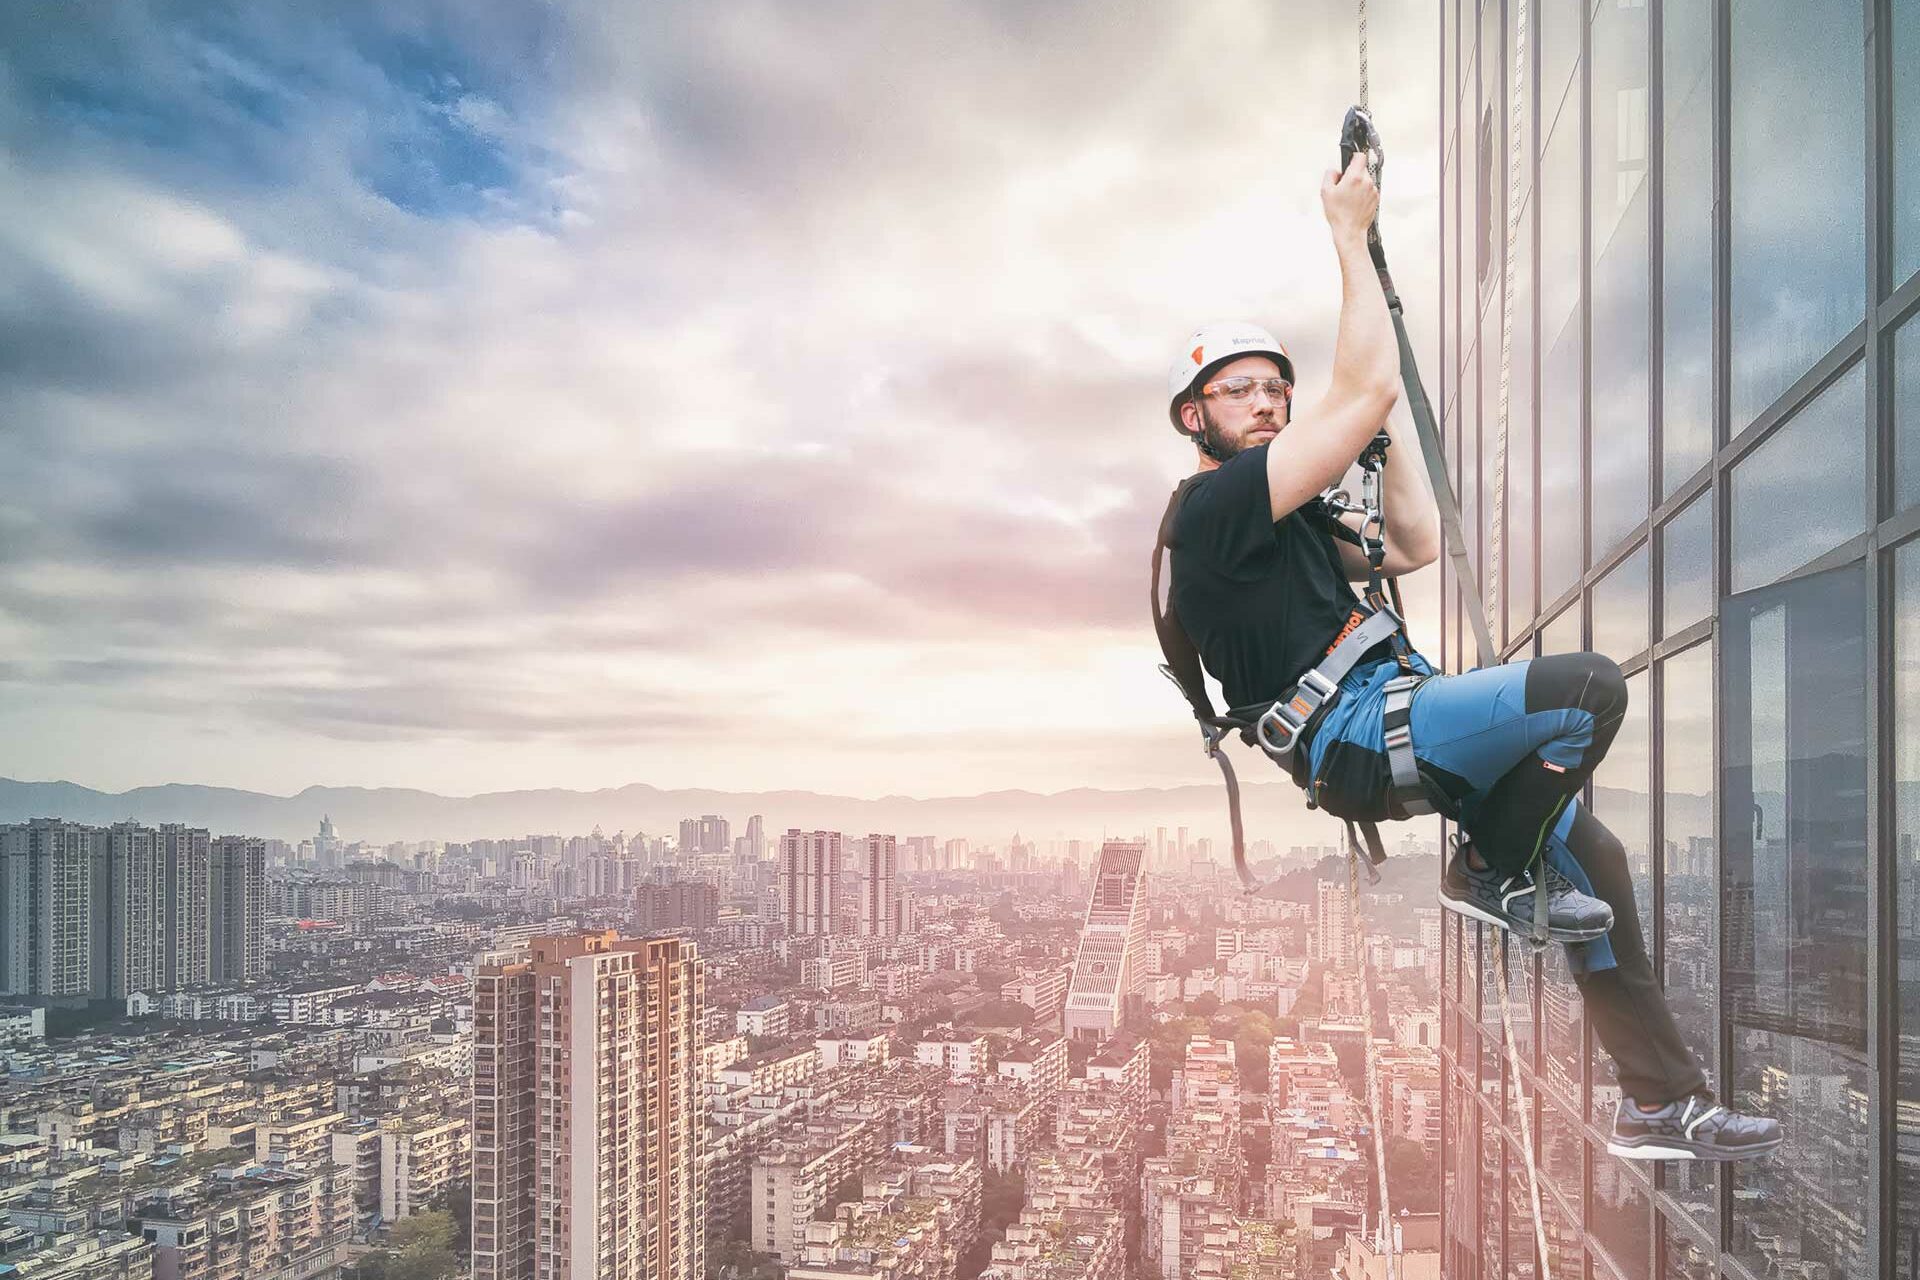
pixel 46 895
pixel 236 909
pixel 100 913
pixel 876 886
pixel 1708 475
pixel 587 1135
pixel 1106 970
pixel 126 922
pixel 185 921
pixel 809 880
pixel 1334 942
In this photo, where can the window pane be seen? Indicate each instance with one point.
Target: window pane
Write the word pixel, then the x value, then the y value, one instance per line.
pixel 1560 1148
pixel 1560 1021
pixel 1685 1261
pixel 1618 116
pixel 1906 139
pixel 1787 513
pixel 1618 1215
pixel 1519 547
pixel 1686 237
pixel 1686 557
pixel 1793 774
pixel 1560 22
pixel 1906 414
pixel 1561 463
pixel 1798 203
pixel 1691 962
pixel 1793 878
pixel 1564 1243
pixel 1802 1209
pixel 1620 609
pixel 1906 907
pixel 1562 635
pixel 1492 1175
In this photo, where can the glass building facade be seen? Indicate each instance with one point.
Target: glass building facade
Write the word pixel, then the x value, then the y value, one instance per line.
pixel 1711 473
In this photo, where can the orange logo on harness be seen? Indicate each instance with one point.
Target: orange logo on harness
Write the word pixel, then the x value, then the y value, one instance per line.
pixel 1354 619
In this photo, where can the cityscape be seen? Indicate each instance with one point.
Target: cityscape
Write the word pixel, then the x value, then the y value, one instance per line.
pixel 810 1054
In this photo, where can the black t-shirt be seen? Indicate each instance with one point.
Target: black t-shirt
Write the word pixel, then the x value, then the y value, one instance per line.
pixel 1261 599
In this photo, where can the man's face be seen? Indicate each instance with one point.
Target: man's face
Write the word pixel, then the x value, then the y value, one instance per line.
pixel 1228 426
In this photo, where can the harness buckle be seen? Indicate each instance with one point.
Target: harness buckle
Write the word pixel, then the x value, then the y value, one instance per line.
pixel 1280 728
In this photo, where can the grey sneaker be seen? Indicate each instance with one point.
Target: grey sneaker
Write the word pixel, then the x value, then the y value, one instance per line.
pixel 1691 1128
pixel 1507 900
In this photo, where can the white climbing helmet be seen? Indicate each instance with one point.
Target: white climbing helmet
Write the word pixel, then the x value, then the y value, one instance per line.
pixel 1211 346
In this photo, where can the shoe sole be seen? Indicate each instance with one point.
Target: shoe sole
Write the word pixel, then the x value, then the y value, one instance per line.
pixel 1664 1149
pixel 1516 926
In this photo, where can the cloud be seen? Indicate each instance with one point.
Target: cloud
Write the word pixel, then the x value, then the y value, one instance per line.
pixel 627 377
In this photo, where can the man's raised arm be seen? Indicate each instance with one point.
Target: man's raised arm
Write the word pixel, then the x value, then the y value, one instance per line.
pixel 1313 452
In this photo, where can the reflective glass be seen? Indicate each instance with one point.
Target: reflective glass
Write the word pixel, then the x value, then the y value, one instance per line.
pixel 1686 1260
pixel 1560 210
pixel 1519 542
pixel 1521 1249
pixel 1493 156
pixel 1787 512
pixel 1449 1149
pixel 1686 238
pixel 1561 462
pixel 1565 1246
pixel 1798 199
pixel 1618 237
pixel 1559 22
pixel 1906 139
pixel 1492 1175
pixel 1561 551
pixel 1691 964
pixel 1794 871
pixel 1620 608
pixel 1906 415
pixel 1686 566
pixel 1560 1150
pixel 1449 60
pixel 1473 409
pixel 1562 635
pixel 1793 781
pixel 1802 1210
pixel 1621 800
pixel 1560 1019
pixel 1618 1216
pixel 1906 899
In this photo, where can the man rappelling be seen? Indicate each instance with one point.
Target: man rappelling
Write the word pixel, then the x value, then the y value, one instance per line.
pixel 1264 555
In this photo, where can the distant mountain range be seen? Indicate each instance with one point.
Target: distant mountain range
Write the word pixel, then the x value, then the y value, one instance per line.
pixel 1273 811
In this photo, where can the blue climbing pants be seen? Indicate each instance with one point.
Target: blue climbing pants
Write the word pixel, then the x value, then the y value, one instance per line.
pixel 1507 749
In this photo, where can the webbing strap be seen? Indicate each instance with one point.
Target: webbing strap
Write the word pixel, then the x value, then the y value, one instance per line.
pixel 1408 797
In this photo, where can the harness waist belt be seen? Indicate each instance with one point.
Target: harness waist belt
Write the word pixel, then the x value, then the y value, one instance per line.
pixel 1278 729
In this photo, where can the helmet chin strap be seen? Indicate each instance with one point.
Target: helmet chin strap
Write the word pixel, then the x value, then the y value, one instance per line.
pixel 1200 439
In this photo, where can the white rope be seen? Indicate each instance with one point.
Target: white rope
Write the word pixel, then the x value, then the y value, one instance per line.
pixel 1496 544
pixel 1524 1106
pixel 1384 1241
pixel 1363 55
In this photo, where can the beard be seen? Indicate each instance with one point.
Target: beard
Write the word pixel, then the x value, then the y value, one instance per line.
pixel 1222 445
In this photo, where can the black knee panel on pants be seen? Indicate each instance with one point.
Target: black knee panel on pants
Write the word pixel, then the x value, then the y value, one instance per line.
pixel 1589 681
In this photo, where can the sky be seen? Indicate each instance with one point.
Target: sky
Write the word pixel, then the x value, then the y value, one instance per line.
pixel 746 396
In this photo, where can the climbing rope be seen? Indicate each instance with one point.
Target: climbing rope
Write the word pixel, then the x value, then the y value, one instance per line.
pixel 1383 1240
pixel 1524 1105
pixel 1496 544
